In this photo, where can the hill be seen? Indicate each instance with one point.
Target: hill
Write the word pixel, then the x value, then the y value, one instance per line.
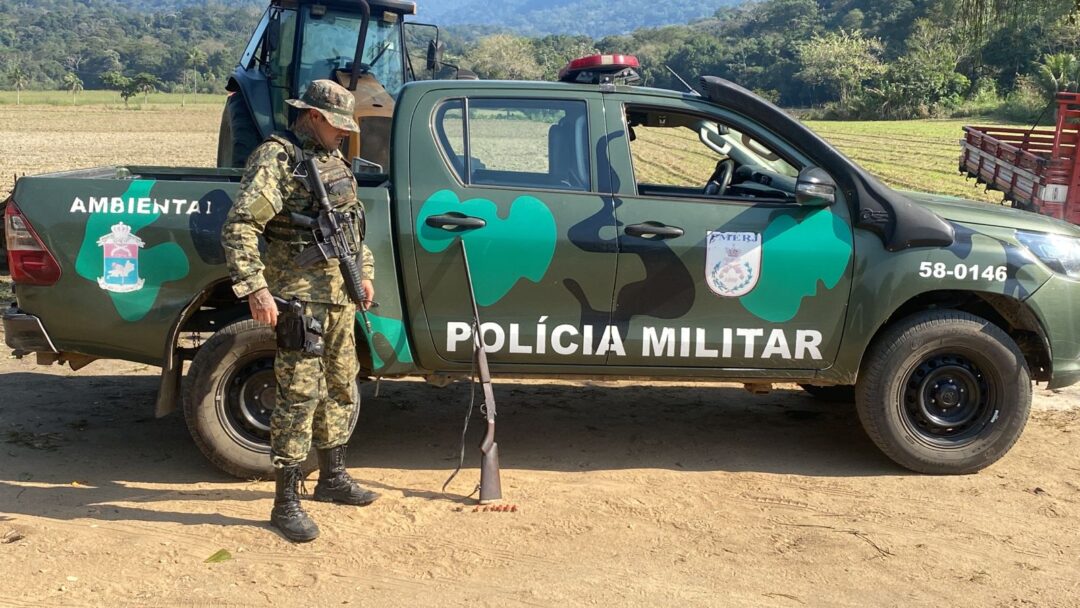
pixel 594 18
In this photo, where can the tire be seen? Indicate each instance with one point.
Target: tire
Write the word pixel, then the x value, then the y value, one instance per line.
pixel 841 393
pixel 238 135
pixel 944 392
pixel 225 400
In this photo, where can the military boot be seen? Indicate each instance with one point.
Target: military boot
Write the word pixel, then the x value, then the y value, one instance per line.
pixel 287 515
pixel 335 484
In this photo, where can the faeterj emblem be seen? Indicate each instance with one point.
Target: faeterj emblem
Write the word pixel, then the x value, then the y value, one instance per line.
pixel 121 260
pixel 732 262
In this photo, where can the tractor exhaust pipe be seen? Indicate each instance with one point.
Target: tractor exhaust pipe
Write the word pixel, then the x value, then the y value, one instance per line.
pixel 357 66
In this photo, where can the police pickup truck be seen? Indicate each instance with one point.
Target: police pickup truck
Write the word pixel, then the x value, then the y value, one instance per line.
pixel 613 231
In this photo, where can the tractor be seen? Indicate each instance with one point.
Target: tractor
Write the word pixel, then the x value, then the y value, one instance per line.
pixel 365 45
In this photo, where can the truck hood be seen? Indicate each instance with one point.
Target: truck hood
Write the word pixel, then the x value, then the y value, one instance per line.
pixel 972 212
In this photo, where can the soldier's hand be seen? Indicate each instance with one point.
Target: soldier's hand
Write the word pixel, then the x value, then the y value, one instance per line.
pixel 369 293
pixel 263 307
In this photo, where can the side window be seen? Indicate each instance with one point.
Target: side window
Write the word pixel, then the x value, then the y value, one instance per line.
pixel 688 155
pixel 519 143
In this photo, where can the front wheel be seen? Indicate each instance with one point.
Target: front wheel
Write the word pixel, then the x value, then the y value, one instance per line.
pixel 229 396
pixel 944 392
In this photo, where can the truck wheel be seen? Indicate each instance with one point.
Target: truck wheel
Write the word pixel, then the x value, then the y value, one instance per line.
pixel 229 395
pixel 944 392
pixel 842 393
pixel 238 135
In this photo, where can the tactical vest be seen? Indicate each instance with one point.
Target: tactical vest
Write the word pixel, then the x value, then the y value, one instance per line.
pixel 340 187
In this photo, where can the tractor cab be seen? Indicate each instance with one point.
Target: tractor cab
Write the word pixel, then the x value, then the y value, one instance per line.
pixel 365 45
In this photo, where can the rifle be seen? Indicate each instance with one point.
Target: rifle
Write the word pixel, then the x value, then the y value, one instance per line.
pixel 333 232
pixel 490 485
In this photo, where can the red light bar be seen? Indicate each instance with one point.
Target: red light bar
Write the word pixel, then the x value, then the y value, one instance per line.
pixel 596 61
pixel 596 65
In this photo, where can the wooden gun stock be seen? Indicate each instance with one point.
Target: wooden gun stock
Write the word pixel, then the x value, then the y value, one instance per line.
pixel 490 484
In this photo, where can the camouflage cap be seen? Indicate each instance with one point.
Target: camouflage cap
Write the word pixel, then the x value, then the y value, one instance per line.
pixel 332 100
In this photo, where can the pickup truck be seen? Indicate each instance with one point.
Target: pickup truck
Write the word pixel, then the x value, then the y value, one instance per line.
pixel 613 231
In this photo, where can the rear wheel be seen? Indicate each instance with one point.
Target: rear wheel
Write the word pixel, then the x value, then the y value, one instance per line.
pixel 238 136
pixel 944 392
pixel 229 396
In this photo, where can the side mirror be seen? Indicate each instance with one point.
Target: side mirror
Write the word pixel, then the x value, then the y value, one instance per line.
pixel 435 55
pixel 815 188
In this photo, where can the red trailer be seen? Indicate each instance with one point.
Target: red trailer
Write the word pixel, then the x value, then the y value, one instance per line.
pixel 1037 169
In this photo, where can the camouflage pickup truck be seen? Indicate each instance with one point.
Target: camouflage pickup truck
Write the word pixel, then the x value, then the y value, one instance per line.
pixel 613 231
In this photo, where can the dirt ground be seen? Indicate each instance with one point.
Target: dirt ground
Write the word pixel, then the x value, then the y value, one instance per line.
pixel 627 495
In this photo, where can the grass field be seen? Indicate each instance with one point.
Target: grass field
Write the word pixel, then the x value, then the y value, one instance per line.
pixel 915 155
pixel 111 98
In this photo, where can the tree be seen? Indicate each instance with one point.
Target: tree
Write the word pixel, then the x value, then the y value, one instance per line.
pixel 504 57
pixel 1059 72
pixel 116 80
pixel 842 60
pixel 19 79
pixel 145 83
pixel 73 83
pixel 196 58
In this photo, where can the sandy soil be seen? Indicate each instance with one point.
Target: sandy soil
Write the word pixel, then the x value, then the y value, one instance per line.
pixel 658 495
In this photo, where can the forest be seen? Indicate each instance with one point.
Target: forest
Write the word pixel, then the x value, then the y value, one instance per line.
pixel 847 58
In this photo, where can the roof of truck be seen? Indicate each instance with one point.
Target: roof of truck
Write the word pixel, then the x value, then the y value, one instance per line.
pixel 397 6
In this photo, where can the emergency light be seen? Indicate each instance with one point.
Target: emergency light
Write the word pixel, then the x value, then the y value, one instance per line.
pixel 602 69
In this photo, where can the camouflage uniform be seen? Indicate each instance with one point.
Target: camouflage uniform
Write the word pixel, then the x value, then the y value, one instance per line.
pixel 314 393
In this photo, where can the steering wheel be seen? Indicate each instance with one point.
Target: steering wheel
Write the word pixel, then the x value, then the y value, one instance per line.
pixel 721 178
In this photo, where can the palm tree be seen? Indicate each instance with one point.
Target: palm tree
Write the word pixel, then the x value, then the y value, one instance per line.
pixel 1059 72
pixel 73 84
pixel 20 78
pixel 196 58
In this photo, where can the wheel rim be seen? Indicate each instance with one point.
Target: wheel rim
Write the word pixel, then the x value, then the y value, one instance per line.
pixel 248 397
pixel 949 399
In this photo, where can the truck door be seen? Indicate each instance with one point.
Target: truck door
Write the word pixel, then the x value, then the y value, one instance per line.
pixel 718 265
pixel 514 177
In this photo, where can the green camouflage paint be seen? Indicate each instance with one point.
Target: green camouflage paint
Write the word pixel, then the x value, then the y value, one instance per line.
pixel 788 274
pixel 158 264
pixel 499 256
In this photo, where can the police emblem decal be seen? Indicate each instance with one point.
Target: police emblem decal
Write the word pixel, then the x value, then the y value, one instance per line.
pixel 121 251
pixel 732 262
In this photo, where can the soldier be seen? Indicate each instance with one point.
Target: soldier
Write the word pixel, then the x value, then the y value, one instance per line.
pixel 316 394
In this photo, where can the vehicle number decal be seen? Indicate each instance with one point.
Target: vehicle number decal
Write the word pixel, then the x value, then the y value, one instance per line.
pixel 962 272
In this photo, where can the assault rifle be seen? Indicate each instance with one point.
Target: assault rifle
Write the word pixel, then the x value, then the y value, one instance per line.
pixel 490 485
pixel 334 238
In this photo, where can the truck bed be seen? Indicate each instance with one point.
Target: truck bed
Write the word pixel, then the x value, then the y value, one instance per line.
pixel 1037 169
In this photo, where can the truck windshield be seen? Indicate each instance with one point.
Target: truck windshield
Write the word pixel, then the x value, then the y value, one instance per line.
pixel 330 43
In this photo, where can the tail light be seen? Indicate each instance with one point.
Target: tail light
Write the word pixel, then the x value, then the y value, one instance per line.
pixel 29 262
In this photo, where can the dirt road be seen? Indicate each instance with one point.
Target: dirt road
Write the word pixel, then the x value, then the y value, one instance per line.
pixel 674 495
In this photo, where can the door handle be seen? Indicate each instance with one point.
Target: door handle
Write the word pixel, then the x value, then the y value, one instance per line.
pixel 657 230
pixel 455 221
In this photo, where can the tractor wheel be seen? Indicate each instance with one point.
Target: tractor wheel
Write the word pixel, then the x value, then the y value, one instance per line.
pixel 238 135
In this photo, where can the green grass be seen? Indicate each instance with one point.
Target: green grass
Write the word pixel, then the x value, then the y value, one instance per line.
pixel 910 154
pixel 6 293
pixel 111 98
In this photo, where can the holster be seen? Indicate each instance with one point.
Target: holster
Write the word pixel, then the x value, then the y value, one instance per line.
pixel 295 331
